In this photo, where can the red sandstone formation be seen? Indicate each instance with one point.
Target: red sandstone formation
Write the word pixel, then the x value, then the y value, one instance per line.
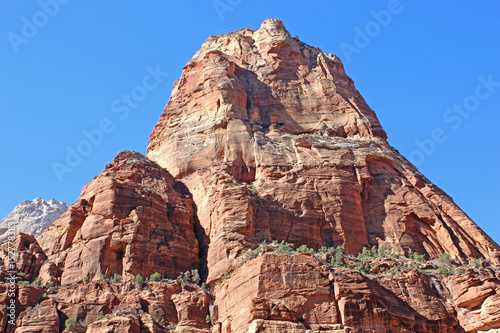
pixel 131 219
pixel 274 142
pixel 268 140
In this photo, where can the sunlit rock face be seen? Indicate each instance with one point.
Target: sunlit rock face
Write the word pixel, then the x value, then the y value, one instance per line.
pixel 274 142
pixel 32 217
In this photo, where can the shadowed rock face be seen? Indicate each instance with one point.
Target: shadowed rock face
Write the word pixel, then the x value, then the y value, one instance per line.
pixel 131 219
pixel 267 139
pixel 274 142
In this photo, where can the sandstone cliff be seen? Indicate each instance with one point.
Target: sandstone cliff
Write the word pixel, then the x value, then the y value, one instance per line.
pixel 264 142
pixel 274 142
pixel 131 219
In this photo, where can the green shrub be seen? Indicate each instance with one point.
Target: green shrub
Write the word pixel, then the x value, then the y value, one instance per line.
pixel 337 258
pixel 365 253
pixel 418 257
pixel 254 190
pixel 100 315
pixel 138 279
pixel 284 248
pixel 325 249
pixel 86 279
pixel 362 267
pixel 446 271
pixel 304 249
pixel 37 282
pixel 250 254
pixel 102 278
pixel 384 251
pixel 394 270
pixel 226 276
pixel 444 258
pixel 70 323
pixel 208 320
pixel 340 248
pixel 195 276
pixel 155 277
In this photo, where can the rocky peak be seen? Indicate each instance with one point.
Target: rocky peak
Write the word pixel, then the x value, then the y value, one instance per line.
pixel 250 86
pixel 131 219
pixel 32 216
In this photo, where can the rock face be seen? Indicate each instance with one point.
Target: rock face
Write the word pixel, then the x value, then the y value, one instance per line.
pixel 110 307
pixel 32 217
pixel 131 219
pixel 275 143
pixel 299 294
pixel 266 141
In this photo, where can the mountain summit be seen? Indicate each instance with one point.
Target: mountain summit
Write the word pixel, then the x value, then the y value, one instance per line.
pixel 269 201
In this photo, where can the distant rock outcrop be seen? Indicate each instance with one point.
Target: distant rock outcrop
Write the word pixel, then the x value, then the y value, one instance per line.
pixel 32 217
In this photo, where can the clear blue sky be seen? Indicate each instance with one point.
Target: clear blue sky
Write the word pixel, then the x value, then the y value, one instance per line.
pixel 64 70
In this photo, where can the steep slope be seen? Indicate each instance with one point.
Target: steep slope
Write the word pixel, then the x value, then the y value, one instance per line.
pixel 32 217
pixel 275 143
pixel 131 219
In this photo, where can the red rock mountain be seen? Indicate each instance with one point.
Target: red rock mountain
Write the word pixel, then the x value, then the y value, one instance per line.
pixel 264 142
pixel 274 142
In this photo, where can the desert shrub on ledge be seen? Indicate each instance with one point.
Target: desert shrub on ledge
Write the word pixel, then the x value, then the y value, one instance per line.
pixel 375 262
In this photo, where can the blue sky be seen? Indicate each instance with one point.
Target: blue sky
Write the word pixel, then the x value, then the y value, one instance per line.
pixel 430 70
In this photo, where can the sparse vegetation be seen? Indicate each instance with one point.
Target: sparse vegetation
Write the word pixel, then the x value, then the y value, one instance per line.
pixel 284 248
pixel 191 276
pixel 254 190
pixel 396 261
pixel 155 277
pixel 70 323
pixel 445 258
pixel 100 315
pixel 139 279
pixel 37 282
